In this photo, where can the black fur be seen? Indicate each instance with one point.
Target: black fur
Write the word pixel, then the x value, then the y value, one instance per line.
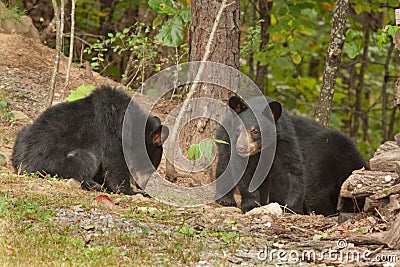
pixel 329 158
pixel 83 140
pixel 310 164
pixel 286 174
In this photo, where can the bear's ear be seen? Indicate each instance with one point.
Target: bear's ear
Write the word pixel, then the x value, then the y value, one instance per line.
pixel 156 119
pixel 276 109
pixel 237 104
pixel 159 135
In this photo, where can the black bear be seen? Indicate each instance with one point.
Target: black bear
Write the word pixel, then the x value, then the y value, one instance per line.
pixel 286 175
pixel 310 164
pixel 83 140
pixel 329 158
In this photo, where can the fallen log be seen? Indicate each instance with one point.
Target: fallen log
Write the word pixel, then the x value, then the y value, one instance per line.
pixel 392 238
pixel 387 146
pixel 397 137
pixel 366 183
pixel 385 161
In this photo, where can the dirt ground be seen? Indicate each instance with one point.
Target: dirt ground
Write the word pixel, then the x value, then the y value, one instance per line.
pixel 25 70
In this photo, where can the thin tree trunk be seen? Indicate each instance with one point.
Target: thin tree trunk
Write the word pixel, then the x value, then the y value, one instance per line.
pixel 385 134
pixel 332 62
pixel 262 71
pixel 222 19
pixel 71 46
pixel 58 13
pixel 360 85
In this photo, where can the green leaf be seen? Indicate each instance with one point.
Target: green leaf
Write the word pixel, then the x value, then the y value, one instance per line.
pixel 3 104
pixel 296 58
pixel 184 13
pixel 171 32
pixel 80 92
pixel 381 39
pixel 351 49
pixel 206 149
pixel 193 151
pixel 350 35
pixel 387 192
pixel 163 6
pixel 391 30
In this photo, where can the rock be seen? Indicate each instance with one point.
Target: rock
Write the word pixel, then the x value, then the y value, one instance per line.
pixel 146 209
pixel 12 24
pixel 73 184
pixel 273 209
pixel 139 198
pixel 19 116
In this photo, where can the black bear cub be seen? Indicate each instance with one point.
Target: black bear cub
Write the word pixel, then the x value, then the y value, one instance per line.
pixel 285 181
pixel 309 166
pixel 83 140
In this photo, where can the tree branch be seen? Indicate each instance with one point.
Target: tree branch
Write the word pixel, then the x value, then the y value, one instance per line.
pixel 332 62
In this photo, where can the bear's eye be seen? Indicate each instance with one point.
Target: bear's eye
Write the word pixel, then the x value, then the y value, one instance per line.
pixel 255 132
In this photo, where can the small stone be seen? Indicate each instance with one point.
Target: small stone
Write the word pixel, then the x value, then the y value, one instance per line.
pixel 73 184
pixel 388 178
pixel 359 186
pixel 273 209
pixel 266 218
pixel 146 209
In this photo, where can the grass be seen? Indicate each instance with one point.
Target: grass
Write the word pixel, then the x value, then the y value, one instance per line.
pixel 11 12
pixel 31 235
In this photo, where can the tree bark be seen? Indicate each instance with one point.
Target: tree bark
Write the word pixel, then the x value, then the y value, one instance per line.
pixel 224 49
pixel 59 16
pixel 332 62
pixel 262 71
pixel 360 86
pixel 71 47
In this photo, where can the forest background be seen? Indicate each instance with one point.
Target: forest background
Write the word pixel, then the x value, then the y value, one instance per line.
pixel 283 46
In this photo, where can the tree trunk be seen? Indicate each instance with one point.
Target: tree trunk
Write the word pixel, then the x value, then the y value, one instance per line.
pixel 224 49
pixel 59 17
pixel 262 71
pixel 385 134
pixel 332 62
pixel 360 86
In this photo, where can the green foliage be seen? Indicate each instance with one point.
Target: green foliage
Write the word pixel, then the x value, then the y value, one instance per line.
pixel 298 41
pixel 5 109
pixel 134 40
pixel 252 39
pixel 88 15
pixel 352 46
pixel 383 35
pixel 80 92
pixel 205 148
pixel 12 12
pixel 197 150
pixel 172 31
